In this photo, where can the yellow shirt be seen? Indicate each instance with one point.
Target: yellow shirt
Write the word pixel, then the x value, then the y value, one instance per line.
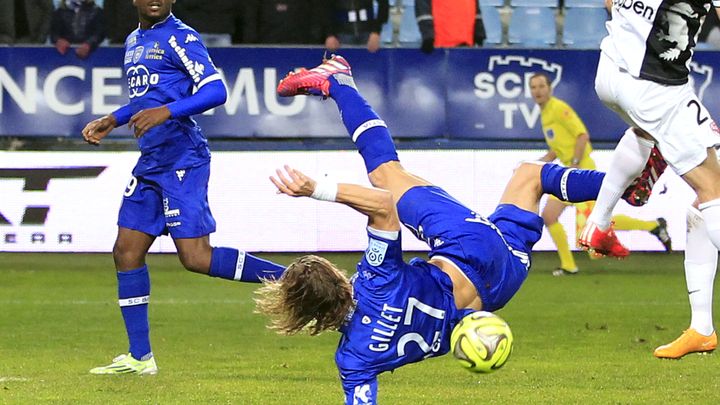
pixel 561 127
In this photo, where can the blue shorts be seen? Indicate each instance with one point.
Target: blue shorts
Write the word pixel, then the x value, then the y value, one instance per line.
pixel 173 201
pixel 493 252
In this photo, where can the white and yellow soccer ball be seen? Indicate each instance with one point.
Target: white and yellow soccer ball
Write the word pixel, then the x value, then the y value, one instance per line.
pixel 481 342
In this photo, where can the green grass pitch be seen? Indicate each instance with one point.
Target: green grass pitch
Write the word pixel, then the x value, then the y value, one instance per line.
pixel 582 339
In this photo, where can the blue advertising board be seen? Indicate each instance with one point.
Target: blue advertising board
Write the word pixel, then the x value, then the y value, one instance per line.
pixel 468 94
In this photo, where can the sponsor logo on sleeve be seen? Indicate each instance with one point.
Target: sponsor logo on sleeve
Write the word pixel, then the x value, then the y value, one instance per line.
pixel 194 69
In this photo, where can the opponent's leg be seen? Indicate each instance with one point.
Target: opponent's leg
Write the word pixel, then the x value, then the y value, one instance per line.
pixel 700 266
pixel 630 157
pixel 705 180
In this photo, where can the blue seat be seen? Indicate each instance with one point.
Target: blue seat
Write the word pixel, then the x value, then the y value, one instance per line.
pixel 409 32
pixel 493 25
pixel 584 3
pixel 534 3
pixel 584 27
pixel 386 33
pixel 491 3
pixel 532 27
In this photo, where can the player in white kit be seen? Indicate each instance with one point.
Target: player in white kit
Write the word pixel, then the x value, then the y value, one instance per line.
pixel 643 76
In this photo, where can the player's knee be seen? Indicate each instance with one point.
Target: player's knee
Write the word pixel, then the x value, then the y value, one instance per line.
pixel 194 262
pixel 126 257
pixel 528 173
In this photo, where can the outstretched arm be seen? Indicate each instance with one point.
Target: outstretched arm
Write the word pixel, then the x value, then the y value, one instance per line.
pixel 377 204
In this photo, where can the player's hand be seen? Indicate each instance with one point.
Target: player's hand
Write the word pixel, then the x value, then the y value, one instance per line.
pixel 98 129
pixel 373 43
pixel 293 183
pixel 149 118
pixel 62 45
pixel 83 51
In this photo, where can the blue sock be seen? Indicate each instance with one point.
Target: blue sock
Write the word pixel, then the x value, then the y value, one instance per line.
pixel 573 185
pixel 232 264
pixel 367 130
pixel 134 294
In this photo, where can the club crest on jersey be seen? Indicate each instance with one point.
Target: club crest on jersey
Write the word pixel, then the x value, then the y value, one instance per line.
pixel 138 54
pixel 375 253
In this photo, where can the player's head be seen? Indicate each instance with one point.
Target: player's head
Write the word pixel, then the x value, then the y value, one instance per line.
pixel 540 87
pixel 311 293
pixel 153 11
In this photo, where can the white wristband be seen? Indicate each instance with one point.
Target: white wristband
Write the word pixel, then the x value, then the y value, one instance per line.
pixel 325 190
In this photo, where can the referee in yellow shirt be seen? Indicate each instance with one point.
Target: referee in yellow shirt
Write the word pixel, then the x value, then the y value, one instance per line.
pixel 569 142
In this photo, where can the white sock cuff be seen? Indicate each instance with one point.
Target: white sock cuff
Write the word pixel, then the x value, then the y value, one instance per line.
pixel 132 301
pixel 367 125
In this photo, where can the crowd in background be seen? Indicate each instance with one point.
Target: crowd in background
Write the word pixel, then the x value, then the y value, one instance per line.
pixel 83 25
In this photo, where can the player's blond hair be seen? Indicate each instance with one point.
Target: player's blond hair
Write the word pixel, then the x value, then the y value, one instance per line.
pixel 312 293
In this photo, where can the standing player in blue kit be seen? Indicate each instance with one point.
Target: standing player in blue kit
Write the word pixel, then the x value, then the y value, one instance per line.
pixel 170 78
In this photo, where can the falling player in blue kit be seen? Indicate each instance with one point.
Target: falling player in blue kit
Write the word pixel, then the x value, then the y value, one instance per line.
pixel 392 313
pixel 165 60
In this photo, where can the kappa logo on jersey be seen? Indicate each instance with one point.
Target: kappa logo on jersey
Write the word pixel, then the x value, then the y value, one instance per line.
pixel 191 38
pixel 506 84
pixel 362 395
pixel 375 253
pixel 180 174
pixel 194 69
pixel 700 78
pixel 139 80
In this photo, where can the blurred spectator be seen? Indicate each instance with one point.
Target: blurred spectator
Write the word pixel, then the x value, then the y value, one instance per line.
pixel 355 22
pixel 25 21
pixel 283 21
pixel 77 22
pixel 710 31
pixel 213 19
pixel 122 19
pixel 449 23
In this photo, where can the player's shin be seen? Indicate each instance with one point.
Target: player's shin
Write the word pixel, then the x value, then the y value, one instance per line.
pixel 630 156
pixel 134 296
pixel 700 266
pixel 232 264
pixel 368 131
pixel 567 184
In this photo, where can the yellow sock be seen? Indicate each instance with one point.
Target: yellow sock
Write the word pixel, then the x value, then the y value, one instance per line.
pixel 626 223
pixel 557 232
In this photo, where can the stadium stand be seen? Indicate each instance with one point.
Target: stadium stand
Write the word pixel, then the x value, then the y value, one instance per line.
pixel 532 27
pixel 584 27
pixel 493 25
pixel 409 33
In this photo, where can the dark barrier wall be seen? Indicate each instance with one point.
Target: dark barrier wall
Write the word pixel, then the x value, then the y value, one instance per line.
pixel 458 93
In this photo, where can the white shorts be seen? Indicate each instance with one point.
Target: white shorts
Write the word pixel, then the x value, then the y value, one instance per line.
pixel 673 115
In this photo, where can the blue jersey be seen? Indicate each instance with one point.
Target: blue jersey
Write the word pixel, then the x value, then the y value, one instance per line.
pixel 164 64
pixel 403 313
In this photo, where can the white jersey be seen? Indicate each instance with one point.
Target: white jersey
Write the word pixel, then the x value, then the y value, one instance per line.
pixel 654 39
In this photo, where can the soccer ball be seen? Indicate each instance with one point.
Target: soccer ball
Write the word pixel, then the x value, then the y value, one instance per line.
pixel 481 342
